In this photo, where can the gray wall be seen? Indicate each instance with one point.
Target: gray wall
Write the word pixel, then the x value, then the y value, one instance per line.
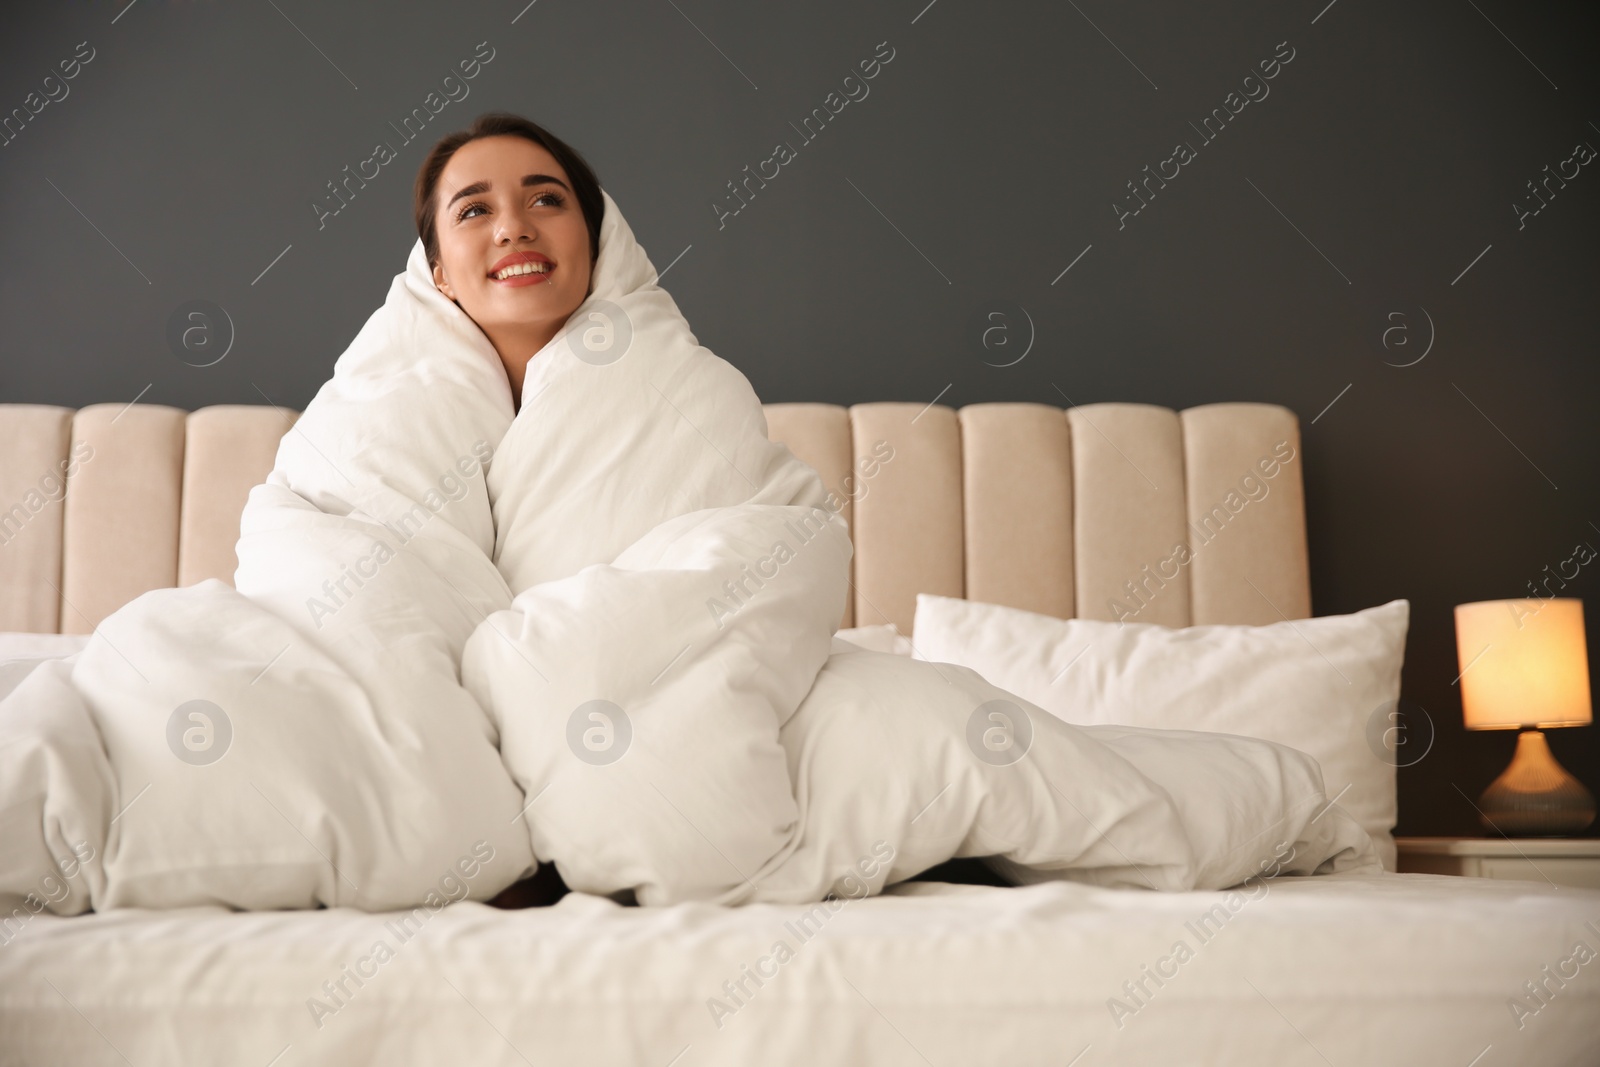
pixel 1383 163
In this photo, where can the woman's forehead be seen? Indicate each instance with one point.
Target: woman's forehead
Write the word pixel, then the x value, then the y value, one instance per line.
pixel 491 157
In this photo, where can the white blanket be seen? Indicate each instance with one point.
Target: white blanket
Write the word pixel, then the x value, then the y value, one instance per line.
pixel 596 632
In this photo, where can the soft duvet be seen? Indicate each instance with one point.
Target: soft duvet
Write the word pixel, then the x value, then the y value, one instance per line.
pixel 466 639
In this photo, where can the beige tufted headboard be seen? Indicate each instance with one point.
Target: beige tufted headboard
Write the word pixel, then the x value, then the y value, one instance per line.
pixel 1103 511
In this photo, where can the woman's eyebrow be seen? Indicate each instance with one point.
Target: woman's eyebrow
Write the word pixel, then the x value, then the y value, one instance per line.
pixel 527 179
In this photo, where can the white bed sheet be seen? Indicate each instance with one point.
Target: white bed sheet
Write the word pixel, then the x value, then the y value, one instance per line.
pixel 1348 969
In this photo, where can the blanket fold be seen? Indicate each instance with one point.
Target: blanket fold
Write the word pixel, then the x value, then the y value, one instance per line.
pixel 596 630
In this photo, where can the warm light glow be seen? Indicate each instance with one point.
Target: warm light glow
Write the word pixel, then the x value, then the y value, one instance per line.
pixel 1523 663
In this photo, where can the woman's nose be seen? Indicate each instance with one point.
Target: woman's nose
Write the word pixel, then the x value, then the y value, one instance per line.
pixel 515 226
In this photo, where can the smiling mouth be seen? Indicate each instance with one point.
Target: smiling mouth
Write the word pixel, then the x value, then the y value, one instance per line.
pixel 530 273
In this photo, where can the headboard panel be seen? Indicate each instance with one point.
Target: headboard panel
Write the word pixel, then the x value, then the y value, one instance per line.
pixel 1016 485
pixel 229 450
pixel 908 532
pixel 122 509
pixel 1103 511
pixel 1256 570
pixel 34 443
pixel 1128 483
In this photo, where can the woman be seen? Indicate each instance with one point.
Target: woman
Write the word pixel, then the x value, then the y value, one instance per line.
pixel 512 241
pixel 509 218
pixel 626 594
pixel 511 223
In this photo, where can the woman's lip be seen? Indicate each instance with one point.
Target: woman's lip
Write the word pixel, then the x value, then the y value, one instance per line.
pixel 519 280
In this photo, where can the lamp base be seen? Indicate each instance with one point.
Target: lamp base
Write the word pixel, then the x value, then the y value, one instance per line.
pixel 1535 796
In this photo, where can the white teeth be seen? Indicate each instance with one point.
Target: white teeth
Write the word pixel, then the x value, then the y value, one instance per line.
pixel 522 268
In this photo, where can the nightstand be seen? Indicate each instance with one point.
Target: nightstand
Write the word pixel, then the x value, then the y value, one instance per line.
pixel 1564 861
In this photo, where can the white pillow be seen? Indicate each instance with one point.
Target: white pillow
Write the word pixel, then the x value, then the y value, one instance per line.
pixel 1317 685
pixel 885 637
pixel 897 766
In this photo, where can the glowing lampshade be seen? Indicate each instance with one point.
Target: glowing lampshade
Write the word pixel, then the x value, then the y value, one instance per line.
pixel 1525 664
pixel 1525 667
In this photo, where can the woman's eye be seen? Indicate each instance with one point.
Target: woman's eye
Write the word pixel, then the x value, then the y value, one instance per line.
pixel 554 199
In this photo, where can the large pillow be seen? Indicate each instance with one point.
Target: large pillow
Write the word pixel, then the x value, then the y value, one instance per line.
pixel 1325 686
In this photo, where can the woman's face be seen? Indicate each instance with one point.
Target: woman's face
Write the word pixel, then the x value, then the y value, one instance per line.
pixel 501 197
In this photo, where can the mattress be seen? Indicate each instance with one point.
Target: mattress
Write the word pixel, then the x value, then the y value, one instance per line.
pixel 1344 969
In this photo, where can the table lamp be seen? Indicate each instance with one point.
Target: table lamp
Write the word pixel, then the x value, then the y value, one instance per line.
pixel 1525 666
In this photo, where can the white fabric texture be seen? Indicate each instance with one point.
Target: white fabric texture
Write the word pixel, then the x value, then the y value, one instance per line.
pixel 595 631
pixel 880 637
pixel 25 646
pixel 21 652
pixel 1324 686
pixel 1379 970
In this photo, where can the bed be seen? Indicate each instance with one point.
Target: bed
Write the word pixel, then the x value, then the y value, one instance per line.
pixel 1021 505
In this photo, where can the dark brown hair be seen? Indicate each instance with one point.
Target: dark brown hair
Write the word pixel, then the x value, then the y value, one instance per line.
pixel 585 185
